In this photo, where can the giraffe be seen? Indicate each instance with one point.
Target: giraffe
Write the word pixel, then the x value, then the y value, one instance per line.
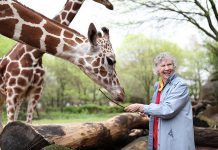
pixel 93 55
pixel 33 71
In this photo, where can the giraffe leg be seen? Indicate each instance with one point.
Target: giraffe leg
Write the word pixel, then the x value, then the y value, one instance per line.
pixel 33 100
pixel 11 103
pixel 17 109
pixel 1 110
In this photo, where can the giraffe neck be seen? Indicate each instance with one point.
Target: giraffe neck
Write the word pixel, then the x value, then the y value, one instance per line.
pixel 94 55
pixel 69 11
pixel 25 25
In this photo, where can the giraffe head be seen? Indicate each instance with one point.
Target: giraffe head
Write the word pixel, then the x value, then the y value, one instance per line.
pixel 98 62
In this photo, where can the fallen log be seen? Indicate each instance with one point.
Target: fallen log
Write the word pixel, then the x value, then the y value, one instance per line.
pixel 20 136
pixel 206 137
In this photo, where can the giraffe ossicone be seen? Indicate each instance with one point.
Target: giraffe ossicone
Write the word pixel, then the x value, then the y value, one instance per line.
pixel 96 58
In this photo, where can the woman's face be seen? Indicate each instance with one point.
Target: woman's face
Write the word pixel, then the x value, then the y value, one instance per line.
pixel 165 69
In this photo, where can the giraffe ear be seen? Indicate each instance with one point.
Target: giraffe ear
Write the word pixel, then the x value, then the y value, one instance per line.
pixel 92 34
pixel 105 31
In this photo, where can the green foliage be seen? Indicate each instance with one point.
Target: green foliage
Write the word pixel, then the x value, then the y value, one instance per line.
pixel 90 108
pixel 5 45
pixel 64 82
pixel 213 54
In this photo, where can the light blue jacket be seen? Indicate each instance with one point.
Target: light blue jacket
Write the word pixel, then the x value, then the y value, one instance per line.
pixel 175 123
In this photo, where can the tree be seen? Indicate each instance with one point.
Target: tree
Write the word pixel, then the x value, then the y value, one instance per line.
pixel 202 14
pixel 213 54
pixel 195 72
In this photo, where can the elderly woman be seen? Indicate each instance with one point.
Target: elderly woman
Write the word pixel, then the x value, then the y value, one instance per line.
pixel 171 124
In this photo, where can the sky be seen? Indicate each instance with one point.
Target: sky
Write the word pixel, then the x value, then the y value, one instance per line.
pixel 184 35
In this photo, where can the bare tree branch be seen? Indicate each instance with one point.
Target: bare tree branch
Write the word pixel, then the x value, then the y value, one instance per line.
pixel 214 9
pixel 203 16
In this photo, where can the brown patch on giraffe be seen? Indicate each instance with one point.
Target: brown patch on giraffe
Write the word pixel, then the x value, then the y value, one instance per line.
pixel 57 18
pixel 63 15
pixel 23 13
pixel 36 97
pixel 96 70
pixel 81 61
pixel 30 111
pixel 34 103
pixel 76 6
pixel 96 63
pixel 27 73
pixel 70 42
pixel 18 90
pixel 38 90
pixel 1 81
pixel 12 81
pixel 27 31
pixel 102 61
pixel 68 34
pixel 15 100
pixel 103 72
pixel 106 81
pixel 16 55
pixel 7 76
pixel 40 71
pixel 5 11
pixel 37 53
pixel 8 29
pixel 70 16
pixel 3 65
pixel 51 44
pixel 66 48
pixel 26 61
pixel 49 28
pixel 78 40
pixel 36 79
pixel 13 68
pixel 21 82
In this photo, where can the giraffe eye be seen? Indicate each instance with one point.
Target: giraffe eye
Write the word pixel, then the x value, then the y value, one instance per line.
pixel 110 61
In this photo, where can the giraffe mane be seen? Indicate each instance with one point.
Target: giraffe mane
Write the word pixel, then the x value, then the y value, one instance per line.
pixel 53 21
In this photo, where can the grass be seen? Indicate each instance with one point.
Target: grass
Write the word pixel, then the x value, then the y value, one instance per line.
pixel 62 118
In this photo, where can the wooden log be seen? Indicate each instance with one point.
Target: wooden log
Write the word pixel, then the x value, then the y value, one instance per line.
pixel 20 136
pixel 206 137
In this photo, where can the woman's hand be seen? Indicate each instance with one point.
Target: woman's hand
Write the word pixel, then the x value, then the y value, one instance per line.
pixel 135 108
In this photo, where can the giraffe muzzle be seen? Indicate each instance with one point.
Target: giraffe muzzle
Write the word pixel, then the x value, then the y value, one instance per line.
pixel 120 97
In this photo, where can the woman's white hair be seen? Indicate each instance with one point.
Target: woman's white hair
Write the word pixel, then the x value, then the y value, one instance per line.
pixel 160 57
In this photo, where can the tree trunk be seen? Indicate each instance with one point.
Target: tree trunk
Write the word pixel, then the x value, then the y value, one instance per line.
pixel 20 136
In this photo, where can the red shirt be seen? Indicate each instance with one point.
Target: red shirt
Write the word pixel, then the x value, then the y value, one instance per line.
pixel 156 122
